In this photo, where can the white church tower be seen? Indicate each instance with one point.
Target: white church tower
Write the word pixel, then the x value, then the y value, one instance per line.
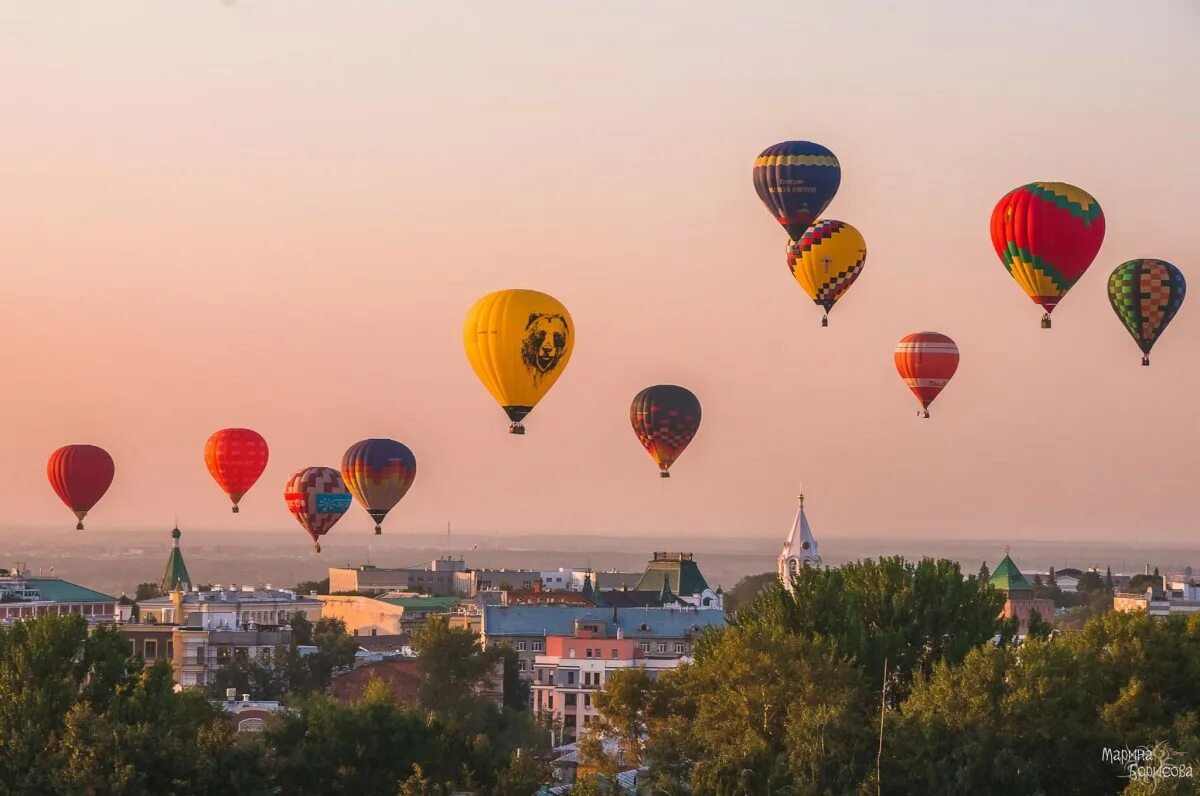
pixel 800 549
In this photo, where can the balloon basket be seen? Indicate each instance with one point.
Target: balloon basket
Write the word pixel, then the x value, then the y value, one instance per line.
pixel 79 526
pixel 1145 362
pixel 924 414
pixel 664 474
pixel 235 510
pixel 378 531
pixel 825 321
pixel 316 549
pixel 517 428
pixel 1046 321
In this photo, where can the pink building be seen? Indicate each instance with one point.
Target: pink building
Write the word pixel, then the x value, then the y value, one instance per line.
pixel 574 667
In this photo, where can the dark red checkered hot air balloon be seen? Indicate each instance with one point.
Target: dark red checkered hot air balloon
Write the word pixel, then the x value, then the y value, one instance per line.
pixel 926 361
pixel 317 497
pixel 80 475
pixel 665 418
pixel 236 457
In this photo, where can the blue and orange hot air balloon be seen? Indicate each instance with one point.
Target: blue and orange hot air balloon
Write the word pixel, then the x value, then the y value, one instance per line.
pixel 796 180
pixel 379 473
pixel 665 418
pixel 235 458
pixel 318 498
pixel 1146 294
pixel 80 475
pixel 926 362
pixel 1047 234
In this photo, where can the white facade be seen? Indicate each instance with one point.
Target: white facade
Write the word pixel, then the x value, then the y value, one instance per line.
pixel 230 608
pixel 800 548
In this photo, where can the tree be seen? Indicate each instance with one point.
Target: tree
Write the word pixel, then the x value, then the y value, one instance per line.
pixel 1038 627
pixel 148 591
pixel 309 586
pixel 622 706
pixel 746 589
pixel 1108 580
pixel 1139 583
pixel 911 614
pixel 1156 572
pixel 1052 579
pixel 1089 582
pixel 984 572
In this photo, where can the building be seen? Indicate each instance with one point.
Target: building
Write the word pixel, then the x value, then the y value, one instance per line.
pixel 660 633
pixel 387 614
pixel 799 549
pixel 1019 601
pixel 248 715
pixel 675 577
pixel 229 607
pixel 1180 595
pixel 25 597
pixel 401 676
pixel 443 576
pixel 573 667
pixel 605 580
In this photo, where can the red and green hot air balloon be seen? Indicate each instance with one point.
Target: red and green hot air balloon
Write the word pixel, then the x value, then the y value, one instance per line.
pixel 379 473
pixel 1146 294
pixel 318 498
pixel 236 457
pixel 1047 234
pixel 926 361
pixel 796 180
pixel 80 475
pixel 665 418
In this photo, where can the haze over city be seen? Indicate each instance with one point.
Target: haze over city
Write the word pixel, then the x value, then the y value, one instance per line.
pixel 277 215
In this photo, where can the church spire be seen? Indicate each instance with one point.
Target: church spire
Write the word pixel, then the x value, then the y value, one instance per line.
pixel 800 549
pixel 176 577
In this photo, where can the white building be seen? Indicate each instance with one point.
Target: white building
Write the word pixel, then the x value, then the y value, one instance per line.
pixel 800 548
pixel 230 607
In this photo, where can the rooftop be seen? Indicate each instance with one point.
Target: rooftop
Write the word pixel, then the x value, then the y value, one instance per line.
pixel 64 591
pixel 559 620
pixel 421 603
pixel 1007 577
pixel 683 576
pixel 234 595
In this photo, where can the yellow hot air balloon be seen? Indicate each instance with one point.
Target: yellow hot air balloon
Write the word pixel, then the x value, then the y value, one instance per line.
pixel 518 343
pixel 826 260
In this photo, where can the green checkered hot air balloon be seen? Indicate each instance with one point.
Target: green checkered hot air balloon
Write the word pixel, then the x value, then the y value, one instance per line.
pixel 1146 294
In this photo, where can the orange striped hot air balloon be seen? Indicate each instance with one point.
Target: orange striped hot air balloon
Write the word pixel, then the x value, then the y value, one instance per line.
pixel 926 361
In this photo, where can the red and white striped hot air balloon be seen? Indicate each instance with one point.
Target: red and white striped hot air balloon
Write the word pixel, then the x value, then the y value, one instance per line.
pixel 926 361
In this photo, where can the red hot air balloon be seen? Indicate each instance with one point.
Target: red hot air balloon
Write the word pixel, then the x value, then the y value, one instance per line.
pixel 236 457
pixel 318 498
pixel 80 475
pixel 665 418
pixel 926 361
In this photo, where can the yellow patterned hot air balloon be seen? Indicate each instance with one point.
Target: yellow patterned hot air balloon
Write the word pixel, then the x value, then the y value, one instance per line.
pixel 826 260
pixel 518 343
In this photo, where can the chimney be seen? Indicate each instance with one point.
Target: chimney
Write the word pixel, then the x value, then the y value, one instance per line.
pixel 231 694
pixel 245 697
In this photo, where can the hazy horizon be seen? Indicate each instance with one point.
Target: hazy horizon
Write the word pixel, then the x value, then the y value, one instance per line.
pixel 276 215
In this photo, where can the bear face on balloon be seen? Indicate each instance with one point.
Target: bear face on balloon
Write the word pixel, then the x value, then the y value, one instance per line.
pixel 544 344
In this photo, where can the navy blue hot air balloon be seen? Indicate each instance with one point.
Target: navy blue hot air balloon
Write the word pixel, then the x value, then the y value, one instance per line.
pixel 796 180
pixel 378 473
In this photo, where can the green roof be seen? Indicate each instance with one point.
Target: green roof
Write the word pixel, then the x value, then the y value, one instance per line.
pixel 176 577
pixel 421 603
pixel 64 591
pixel 683 576
pixel 1008 578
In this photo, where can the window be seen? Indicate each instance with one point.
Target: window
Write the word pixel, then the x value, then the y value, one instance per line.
pixel 662 646
pixel 150 649
pixel 571 653
pixel 570 678
pixel 644 646
pixel 614 652
pixel 170 649
pixel 678 648
pixel 589 652
pixel 587 700
pixel 539 646
pixel 520 646
pixel 569 701
pixel 199 653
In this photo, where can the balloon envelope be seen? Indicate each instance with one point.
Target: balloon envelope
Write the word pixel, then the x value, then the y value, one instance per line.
pixel 796 180
pixel 1146 294
pixel 379 473
pixel 926 362
pixel 317 497
pixel 518 343
pixel 1047 234
pixel 235 458
pixel 826 260
pixel 80 475
pixel 665 418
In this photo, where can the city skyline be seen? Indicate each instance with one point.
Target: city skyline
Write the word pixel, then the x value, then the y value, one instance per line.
pixel 278 217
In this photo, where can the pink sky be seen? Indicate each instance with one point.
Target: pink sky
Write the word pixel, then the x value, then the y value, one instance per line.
pixel 276 214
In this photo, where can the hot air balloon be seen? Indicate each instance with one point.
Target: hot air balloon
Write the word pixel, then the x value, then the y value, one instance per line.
pixel 318 498
pixel 1146 294
pixel 826 260
pixel 926 361
pixel 518 343
pixel 796 180
pixel 80 475
pixel 665 418
pixel 379 473
pixel 1047 234
pixel 236 457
